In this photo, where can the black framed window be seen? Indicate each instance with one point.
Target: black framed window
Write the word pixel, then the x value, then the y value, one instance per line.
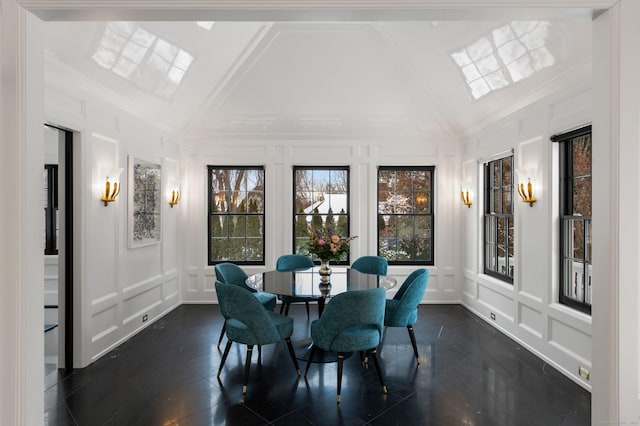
pixel 405 215
pixel 51 224
pixel 236 214
pixel 321 199
pixel 499 261
pixel 575 218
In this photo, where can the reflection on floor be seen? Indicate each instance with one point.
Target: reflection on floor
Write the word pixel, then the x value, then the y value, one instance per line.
pixel 470 374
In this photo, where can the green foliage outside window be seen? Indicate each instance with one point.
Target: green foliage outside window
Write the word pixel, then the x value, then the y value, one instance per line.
pixel 236 214
pixel 405 215
pixel 321 200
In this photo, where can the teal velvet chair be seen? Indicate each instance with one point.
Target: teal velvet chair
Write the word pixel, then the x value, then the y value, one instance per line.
pixel 293 262
pixel 402 310
pixel 230 273
pixel 250 324
pixel 351 321
pixel 371 265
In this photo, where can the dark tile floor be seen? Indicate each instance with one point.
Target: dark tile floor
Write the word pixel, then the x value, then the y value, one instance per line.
pixel 470 374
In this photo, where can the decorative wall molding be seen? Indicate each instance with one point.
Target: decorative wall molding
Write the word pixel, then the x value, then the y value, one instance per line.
pixel 309 10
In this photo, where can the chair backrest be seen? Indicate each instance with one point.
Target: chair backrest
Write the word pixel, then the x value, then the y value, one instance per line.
pixel 291 262
pixel 415 283
pixel 239 305
pixel 345 310
pixel 371 265
pixel 404 309
pixel 230 273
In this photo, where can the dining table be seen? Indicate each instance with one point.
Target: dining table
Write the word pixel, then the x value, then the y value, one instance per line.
pixel 309 283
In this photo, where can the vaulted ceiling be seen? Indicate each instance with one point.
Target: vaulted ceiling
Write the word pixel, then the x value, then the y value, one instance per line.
pixel 411 79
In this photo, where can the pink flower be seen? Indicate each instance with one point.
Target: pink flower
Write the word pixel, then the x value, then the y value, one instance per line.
pixel 324 244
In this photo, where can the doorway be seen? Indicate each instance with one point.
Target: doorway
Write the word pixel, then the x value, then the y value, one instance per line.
pixel 58 250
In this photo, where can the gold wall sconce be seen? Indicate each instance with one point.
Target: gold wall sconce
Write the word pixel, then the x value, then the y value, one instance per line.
pixel 174 197
pixel 111 187
pixel 465 196
pixel 526 192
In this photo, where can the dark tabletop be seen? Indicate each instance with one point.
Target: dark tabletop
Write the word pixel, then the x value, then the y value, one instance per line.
pixel 307 282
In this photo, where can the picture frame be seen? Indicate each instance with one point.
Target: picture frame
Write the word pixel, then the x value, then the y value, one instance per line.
pixel 144 202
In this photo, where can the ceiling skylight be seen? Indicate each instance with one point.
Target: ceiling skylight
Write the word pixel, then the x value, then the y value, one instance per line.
pixel 151 63
pixel 508 54
pixel 207 25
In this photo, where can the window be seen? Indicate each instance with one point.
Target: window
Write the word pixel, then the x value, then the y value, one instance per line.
pixel 321 199
pixel 405 215
pixel 236 215
pixel 575 218
pixel 498 219
pixel 51 209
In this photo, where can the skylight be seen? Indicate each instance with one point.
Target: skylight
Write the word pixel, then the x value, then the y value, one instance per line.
pixel 137 55
pixel 207 25
pixel 508 54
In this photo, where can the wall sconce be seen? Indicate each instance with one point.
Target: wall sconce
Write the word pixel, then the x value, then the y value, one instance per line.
pixel 174 196
pixel 526 192
pixel 111 187
pixel 465 195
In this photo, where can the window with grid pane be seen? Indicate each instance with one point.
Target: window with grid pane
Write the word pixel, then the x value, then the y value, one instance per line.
pixel 405 215
pixel 236 214
pixel 499 261
pixel 321 199
pixel 575 218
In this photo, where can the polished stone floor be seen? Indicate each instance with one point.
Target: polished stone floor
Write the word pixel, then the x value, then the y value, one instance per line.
pixel 470 374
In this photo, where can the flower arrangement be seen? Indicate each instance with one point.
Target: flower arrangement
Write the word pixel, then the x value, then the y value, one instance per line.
pixel 326 245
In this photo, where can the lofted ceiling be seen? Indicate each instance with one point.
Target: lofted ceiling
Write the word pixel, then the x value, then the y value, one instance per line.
pixel 409 79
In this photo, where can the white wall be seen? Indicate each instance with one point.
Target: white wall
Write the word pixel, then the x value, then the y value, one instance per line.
pixel 278 157
pixel 115 286
pixel 528 310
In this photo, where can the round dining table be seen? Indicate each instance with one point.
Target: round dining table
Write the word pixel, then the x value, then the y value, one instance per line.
pixel 309 283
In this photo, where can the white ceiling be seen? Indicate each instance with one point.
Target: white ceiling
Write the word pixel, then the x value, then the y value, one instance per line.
pixel 319 79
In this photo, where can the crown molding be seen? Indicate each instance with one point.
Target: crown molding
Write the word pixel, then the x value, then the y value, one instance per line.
pixel 290 10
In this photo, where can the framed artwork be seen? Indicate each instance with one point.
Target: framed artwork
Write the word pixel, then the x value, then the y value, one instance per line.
pixel 144 202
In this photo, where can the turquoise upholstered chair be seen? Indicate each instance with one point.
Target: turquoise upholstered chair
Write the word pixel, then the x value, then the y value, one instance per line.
pixel 230 273
pixel 351 321
pixel 293 262
pixel 371 265
pixel 402 310
pixel 248 323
